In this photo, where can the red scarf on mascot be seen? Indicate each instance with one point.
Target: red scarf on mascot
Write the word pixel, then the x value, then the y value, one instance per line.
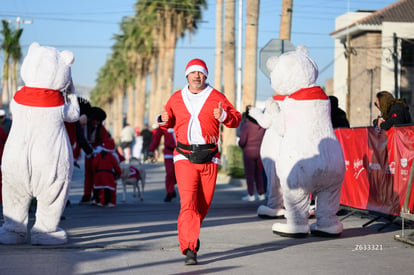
pixel 39 97
pixel 311 93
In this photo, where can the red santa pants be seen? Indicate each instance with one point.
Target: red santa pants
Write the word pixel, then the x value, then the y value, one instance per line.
pixel 196 184
pixel 105 196
pixel 88 179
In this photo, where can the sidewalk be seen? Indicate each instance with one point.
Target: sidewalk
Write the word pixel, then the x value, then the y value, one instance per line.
pixel 141 238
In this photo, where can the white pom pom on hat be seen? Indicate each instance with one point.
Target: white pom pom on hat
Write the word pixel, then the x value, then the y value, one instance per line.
pixel 109 145
pixel 196 65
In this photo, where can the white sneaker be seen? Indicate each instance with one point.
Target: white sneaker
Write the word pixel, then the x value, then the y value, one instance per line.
pixel 261 197
pixel 249 198
pixel 110 205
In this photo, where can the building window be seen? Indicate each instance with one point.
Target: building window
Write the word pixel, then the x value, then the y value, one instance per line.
pixel 407 53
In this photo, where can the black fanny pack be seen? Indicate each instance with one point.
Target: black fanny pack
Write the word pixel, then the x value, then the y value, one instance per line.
pixel 199 153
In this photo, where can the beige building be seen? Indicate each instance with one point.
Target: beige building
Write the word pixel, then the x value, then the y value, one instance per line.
pixel 380 45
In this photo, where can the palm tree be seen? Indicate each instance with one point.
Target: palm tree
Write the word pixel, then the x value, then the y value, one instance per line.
pixel 146 46
pixel 12 49
pixel 172 19
pixel 218 72
pixel 229 135
pixel 250 59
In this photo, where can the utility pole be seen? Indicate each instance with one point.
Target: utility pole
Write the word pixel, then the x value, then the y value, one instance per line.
pixel 286 20
pixel 348 78
pixel 20 20
pixel 239 60
pixel 396 66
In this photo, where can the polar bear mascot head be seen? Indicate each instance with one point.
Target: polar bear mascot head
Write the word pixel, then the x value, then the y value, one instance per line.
pixel 292 71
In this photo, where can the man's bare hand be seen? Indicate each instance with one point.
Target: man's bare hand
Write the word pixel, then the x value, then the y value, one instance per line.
pixel 217 112
pixel 164 115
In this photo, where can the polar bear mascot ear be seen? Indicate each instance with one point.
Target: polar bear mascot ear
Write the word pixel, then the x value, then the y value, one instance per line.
pixel 292 71
pixel 46 67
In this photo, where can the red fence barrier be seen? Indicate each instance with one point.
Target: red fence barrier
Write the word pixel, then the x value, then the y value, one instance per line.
pixel 378 167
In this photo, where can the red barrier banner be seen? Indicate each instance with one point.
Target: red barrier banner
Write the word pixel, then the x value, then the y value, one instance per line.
pixel 378 167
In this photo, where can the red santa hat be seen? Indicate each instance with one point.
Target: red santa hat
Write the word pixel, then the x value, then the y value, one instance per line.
pixel 109 145
pixel 196 65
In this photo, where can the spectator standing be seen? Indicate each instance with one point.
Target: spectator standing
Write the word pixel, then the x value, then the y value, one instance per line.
pixel 338 116
pixel 195 112
pixel 3 139
pixel 393 111
pixel 251 136
pixel 146 141
pixel 127 141
pixel 5 121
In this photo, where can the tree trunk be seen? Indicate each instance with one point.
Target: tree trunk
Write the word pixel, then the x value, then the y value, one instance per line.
pixel 130 104
pixel 119 99
pixel 154 93
pixel 140 102
pixel 218 72
pixel 229 134
pixel 6 69
pixel 250 54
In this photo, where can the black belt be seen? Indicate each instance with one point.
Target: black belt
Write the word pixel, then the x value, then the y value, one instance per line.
pixel 196 147
pixel 105 170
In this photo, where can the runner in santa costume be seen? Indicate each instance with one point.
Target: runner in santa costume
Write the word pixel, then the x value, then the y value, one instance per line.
pixel 37 160
pixel 310 158
pixel 169 146
pixel 106 170
pixel 195 113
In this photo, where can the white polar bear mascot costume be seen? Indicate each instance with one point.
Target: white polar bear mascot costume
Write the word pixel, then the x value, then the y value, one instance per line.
pixel 37 160
pixel 309 158
pixel 269 120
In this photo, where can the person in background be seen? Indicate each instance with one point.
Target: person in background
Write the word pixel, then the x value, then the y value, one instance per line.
pixel 196 112
pixel 393 111
pixel 3 139
pixel 251 136
pixel 106 170
pixel 146 141
pixel 169 146
pixel 127 141
pixel 5 121
pixel 338 116
pixel 96 134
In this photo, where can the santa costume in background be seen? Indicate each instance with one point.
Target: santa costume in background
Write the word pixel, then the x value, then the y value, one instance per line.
pixel 191 116
pixel 106 170
pixel 169 146
pixel 96 134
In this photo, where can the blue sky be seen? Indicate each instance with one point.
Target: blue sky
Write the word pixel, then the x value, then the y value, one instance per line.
pixel 87 28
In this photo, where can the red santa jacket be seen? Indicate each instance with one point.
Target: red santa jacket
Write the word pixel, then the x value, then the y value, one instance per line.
pixel 169 141
pixel 180 117
pixel 106 169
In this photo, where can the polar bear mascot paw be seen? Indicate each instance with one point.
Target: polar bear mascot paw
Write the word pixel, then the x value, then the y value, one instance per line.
pixel 332 231
pixel 37 160
pixel 12 237
pixel 291 230
pixel 49 238
pixel 266 212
